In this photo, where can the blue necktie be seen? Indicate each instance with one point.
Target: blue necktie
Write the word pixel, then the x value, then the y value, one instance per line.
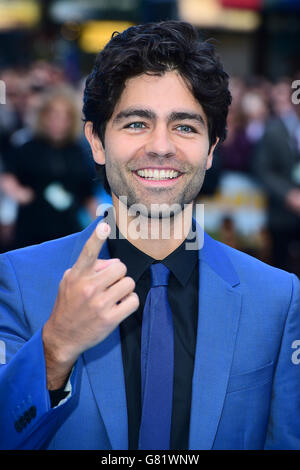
pixel 157 364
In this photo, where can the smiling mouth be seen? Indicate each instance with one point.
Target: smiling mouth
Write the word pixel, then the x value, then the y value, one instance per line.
pixel 154 174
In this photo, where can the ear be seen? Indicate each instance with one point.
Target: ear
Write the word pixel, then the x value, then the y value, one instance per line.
pixel 210 155
pixel 95 144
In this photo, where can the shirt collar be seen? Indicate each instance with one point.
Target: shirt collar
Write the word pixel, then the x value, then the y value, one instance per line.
pixel 180 262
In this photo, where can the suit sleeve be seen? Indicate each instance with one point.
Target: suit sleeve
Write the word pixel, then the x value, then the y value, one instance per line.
pixel 284 422
pixel 27 420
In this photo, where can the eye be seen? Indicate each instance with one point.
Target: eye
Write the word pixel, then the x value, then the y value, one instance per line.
pixel 186 129
pixel 135 125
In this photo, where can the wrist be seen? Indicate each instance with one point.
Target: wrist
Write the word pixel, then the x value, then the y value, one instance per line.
pixel 58 361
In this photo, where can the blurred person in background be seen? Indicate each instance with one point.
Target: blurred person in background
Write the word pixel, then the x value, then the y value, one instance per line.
pixel 256 111
pixel 277 165
pixel 40 77
pixel 237 185
pixel 45 74
pixel 236 152
pixel 11 119
pixel 7 214
pixel 49 177
pixel 24 88
pixel 246 122
pixel 11 113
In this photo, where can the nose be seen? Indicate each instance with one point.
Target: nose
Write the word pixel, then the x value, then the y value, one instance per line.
pixel 160 143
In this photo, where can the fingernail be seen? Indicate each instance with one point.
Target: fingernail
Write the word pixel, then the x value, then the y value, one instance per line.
pixel 105 263
pixel 102 229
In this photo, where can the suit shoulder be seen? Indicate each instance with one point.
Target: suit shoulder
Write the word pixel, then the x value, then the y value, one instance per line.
pixel 263 284
pixel 253 270
pixel 53 253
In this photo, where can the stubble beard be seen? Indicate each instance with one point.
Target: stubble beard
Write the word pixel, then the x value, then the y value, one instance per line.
pixel 127 194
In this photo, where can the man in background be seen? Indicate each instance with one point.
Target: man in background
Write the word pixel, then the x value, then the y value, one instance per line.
pixel 277 165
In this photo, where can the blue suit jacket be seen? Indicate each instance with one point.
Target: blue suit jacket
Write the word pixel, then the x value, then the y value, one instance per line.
pixel 246 382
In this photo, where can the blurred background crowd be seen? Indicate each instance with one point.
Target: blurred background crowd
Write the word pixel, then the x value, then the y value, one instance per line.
pixel 48 182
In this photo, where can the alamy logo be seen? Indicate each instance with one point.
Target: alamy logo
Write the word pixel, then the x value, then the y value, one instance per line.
pixel 296 93
pixel 296 354
pixel 161 221
pixel 2 92
pixel 2 352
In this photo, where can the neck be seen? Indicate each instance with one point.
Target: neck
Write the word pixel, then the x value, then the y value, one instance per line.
pixel 154 236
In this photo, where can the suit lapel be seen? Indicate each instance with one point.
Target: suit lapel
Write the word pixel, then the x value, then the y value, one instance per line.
pixel 219 309
pixel 104 366
pixel 105 370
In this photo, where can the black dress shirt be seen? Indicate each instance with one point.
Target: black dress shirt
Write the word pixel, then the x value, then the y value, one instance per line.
pixel 183 300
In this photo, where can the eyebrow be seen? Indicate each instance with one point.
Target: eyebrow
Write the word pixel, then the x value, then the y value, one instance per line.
pixel 183 115
pixel 148 114
pixel 126 113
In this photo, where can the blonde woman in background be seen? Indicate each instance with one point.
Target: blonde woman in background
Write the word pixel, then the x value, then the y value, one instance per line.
pixel 50 172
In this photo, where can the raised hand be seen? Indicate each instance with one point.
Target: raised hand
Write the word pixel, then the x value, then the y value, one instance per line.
pixel 94 296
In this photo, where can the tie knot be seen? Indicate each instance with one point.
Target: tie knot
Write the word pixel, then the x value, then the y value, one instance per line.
pixel 159 275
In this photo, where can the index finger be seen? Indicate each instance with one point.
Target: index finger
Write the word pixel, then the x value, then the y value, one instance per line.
pixel 92 247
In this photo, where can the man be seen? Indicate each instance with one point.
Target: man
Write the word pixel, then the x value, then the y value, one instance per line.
pixel 277 165
pixel 76 312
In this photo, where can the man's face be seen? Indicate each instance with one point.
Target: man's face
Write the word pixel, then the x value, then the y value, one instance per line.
pixel 156 143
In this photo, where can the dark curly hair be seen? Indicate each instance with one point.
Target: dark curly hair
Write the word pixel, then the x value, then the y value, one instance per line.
pixel 155 48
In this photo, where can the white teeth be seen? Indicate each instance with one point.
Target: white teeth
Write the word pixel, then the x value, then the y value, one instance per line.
pixel 156 174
